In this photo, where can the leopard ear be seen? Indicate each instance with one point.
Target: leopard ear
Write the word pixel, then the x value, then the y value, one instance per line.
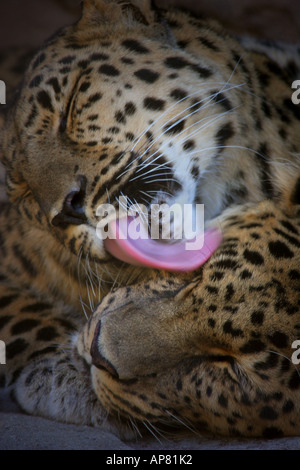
pixel 98 13
pixel 108 11
pixel 143 11
pixel 108 17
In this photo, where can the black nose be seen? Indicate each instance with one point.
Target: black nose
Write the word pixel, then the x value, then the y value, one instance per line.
pixel 97 359
pixel 72 212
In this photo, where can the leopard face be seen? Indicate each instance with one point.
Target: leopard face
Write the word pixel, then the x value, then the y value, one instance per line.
pixel 223 363
pixel 117 105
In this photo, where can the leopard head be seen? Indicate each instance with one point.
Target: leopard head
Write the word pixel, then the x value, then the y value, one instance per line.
pixel 113 106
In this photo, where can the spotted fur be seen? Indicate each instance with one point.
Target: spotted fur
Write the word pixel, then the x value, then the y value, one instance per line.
pixel 211 350
pixel 159 107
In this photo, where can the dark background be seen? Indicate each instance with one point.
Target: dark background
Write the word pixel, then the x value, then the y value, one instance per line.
pixel 29 22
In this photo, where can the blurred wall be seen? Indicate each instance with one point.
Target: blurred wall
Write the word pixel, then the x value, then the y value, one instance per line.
pixel 29 22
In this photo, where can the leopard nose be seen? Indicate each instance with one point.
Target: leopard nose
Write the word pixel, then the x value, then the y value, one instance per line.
pixel 98 360
pixel 72 212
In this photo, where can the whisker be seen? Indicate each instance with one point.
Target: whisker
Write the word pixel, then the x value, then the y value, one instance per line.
pixel 286 357
pixel 152 432
pixel 183 423
pixel 89 285
pixel 108 196
pixel 161 192
pixel 208 99
pixel 214 118
pixel 79 262
pixel 135 427
pixel 212 84
pixel 206 105
pixel 241 147
pixel 152 163
pixel 144 176
pixel 157 180
pixel 83 305
pixel 116 279
pixel 223 84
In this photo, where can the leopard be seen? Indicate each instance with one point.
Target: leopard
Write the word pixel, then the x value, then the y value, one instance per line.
pixel 159 106
pixel 224 364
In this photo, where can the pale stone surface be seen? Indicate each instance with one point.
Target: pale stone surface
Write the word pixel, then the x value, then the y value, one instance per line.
pixel 22 432
pixel 19 431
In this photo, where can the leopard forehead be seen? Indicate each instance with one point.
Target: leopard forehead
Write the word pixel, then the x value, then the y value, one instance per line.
pixel 98 90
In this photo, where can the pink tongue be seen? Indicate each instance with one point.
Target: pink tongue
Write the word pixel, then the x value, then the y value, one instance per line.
pixel 156 254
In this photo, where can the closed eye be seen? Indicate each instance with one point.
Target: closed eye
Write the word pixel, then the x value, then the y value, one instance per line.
pixel 68 110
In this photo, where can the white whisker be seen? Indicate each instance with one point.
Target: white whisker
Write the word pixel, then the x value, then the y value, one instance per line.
pixel 286 357
pixel 203 89
pixel 183 423
pixel 150 430
pixel 206 105
pixel 79 261
pixel 214 118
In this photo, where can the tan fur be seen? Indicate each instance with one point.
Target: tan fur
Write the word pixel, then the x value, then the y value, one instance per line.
pixel 161 345
pixel 160 107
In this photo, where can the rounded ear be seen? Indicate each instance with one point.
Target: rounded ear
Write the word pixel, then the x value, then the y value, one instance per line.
pixel 143 11
pixel 109 11
pixel 98 13
pixel 109 17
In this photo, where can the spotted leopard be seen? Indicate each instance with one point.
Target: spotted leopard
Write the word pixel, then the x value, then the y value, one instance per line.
pixel 211 350
pixel 164 107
